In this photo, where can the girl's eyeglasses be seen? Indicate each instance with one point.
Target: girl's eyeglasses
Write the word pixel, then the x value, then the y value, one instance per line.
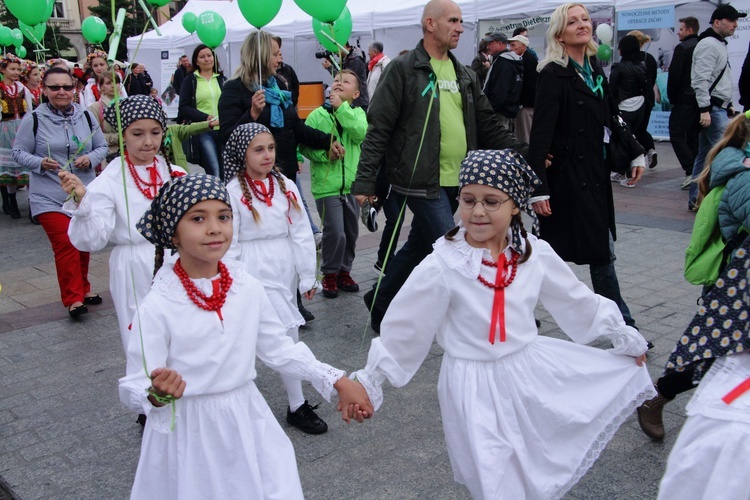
pixel 489 204
pixel 56 88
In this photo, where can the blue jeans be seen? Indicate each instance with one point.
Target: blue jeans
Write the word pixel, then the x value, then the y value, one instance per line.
pixel 432 219
pixel 706 140
pixel 605 283
pixel 210 153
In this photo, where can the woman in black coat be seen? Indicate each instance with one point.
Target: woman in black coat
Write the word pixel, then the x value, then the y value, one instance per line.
pixel 567 152
pixel 243 100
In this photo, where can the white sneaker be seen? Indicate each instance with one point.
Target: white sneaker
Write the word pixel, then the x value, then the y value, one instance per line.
pixel 624 183
pixel 686 183
pixel 615 177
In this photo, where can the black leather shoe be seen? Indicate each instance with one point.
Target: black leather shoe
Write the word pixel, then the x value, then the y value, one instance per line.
pixel 75 312
pixel 92 301
pixel 306 420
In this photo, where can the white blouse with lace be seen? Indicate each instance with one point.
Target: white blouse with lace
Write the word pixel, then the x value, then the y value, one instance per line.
pixel 225 438
pixel 525 417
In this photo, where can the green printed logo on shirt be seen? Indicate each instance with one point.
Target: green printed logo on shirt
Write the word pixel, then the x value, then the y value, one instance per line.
pixel 452 129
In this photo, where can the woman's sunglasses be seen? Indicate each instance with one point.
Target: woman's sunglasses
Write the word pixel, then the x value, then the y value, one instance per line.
pixel 55 88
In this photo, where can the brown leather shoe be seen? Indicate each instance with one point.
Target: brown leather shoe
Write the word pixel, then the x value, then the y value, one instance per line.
pixel 649 416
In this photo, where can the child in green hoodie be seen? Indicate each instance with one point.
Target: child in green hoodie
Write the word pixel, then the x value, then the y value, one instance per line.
pixel 331 180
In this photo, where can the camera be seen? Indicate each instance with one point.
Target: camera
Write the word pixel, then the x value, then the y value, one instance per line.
pixel 323 54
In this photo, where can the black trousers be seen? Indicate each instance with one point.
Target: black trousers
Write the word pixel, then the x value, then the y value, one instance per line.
pixel 684 127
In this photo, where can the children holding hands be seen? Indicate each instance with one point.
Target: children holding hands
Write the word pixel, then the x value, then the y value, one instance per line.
pixel 331 176
pixel 191 364
pixel 524 415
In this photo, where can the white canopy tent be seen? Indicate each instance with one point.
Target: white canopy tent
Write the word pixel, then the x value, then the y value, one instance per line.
pixel 395 23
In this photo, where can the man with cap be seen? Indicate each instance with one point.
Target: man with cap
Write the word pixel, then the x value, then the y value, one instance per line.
pixel 520 45
pixel 504 80
pixel 711 79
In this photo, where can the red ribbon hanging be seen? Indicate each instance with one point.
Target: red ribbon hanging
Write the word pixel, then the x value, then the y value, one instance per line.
pixel 737 392
pixel 498 304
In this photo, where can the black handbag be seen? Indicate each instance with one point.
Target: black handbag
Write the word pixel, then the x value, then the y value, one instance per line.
pixel 623 146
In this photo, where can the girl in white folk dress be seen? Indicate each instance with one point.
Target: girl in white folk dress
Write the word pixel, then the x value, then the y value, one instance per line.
pixel 272 237
pixel 191 364
pixel 106 211
pixel 525 416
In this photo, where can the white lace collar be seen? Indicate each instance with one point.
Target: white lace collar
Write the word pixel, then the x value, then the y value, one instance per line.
pixel 167 284
pixel 462 257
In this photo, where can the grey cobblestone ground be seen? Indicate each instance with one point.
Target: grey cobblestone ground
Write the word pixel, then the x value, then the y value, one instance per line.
pixel 64 434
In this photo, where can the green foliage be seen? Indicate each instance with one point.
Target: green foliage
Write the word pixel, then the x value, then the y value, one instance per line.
pixel 55 43
pixel 133 26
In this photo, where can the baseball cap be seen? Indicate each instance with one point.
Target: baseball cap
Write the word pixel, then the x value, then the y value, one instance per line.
pixel 520 38
pixel 726 11
pixel 496 37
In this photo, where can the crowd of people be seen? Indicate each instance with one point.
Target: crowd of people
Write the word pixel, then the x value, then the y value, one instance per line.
pixel 514 132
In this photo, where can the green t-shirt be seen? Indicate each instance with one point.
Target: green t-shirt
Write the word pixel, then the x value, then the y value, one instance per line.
pixel 452 129
pixel 207 94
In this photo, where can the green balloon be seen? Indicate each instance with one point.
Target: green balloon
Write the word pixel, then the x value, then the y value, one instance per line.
pixel 6 36
pixel 211 28
pixel 35 34
pixel 188 22
pixel 326 11
pixel 31 12
pixel 21 52
pixel 158 3
pixel 259 12
pixel 604 52
pixel 94 30
pixel 342 29
pixel 17 37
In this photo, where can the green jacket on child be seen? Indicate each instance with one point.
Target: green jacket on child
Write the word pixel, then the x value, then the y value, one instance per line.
pixel 348 126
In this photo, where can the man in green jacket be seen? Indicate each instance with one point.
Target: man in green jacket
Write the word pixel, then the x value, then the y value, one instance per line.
pixel 427 85
pixel 331 178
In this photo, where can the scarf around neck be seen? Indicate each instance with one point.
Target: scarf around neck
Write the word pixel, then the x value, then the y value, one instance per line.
pixel 279 101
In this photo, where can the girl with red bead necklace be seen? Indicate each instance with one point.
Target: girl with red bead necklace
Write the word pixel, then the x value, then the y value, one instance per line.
pixel 525 415
pixel 15 101
pixel 106 210
pixel 191 361
pixel 272 237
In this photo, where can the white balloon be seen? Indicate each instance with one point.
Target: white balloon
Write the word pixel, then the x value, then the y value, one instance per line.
pixel 604 33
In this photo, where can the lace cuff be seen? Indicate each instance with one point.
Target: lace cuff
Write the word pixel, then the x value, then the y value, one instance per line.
pixel 628 341
pixel 82 209
pixel 374 388
pixel 323 378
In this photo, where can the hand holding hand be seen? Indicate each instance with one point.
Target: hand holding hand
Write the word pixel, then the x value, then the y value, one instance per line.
pixel 50 164
pixel 353 400
pixel 166 382
pixel 259 102
pixel 72 184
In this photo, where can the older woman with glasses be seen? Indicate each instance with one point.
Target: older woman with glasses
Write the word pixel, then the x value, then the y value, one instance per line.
pixel 60 135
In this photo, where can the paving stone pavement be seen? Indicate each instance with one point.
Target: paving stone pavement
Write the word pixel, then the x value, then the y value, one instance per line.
pixel 64 433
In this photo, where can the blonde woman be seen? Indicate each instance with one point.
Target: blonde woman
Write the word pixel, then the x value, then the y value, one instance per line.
pixel 252 97
pixel 572 111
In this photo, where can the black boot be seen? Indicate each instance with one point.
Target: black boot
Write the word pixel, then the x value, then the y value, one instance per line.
pixel 13 207
pixel 6 203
